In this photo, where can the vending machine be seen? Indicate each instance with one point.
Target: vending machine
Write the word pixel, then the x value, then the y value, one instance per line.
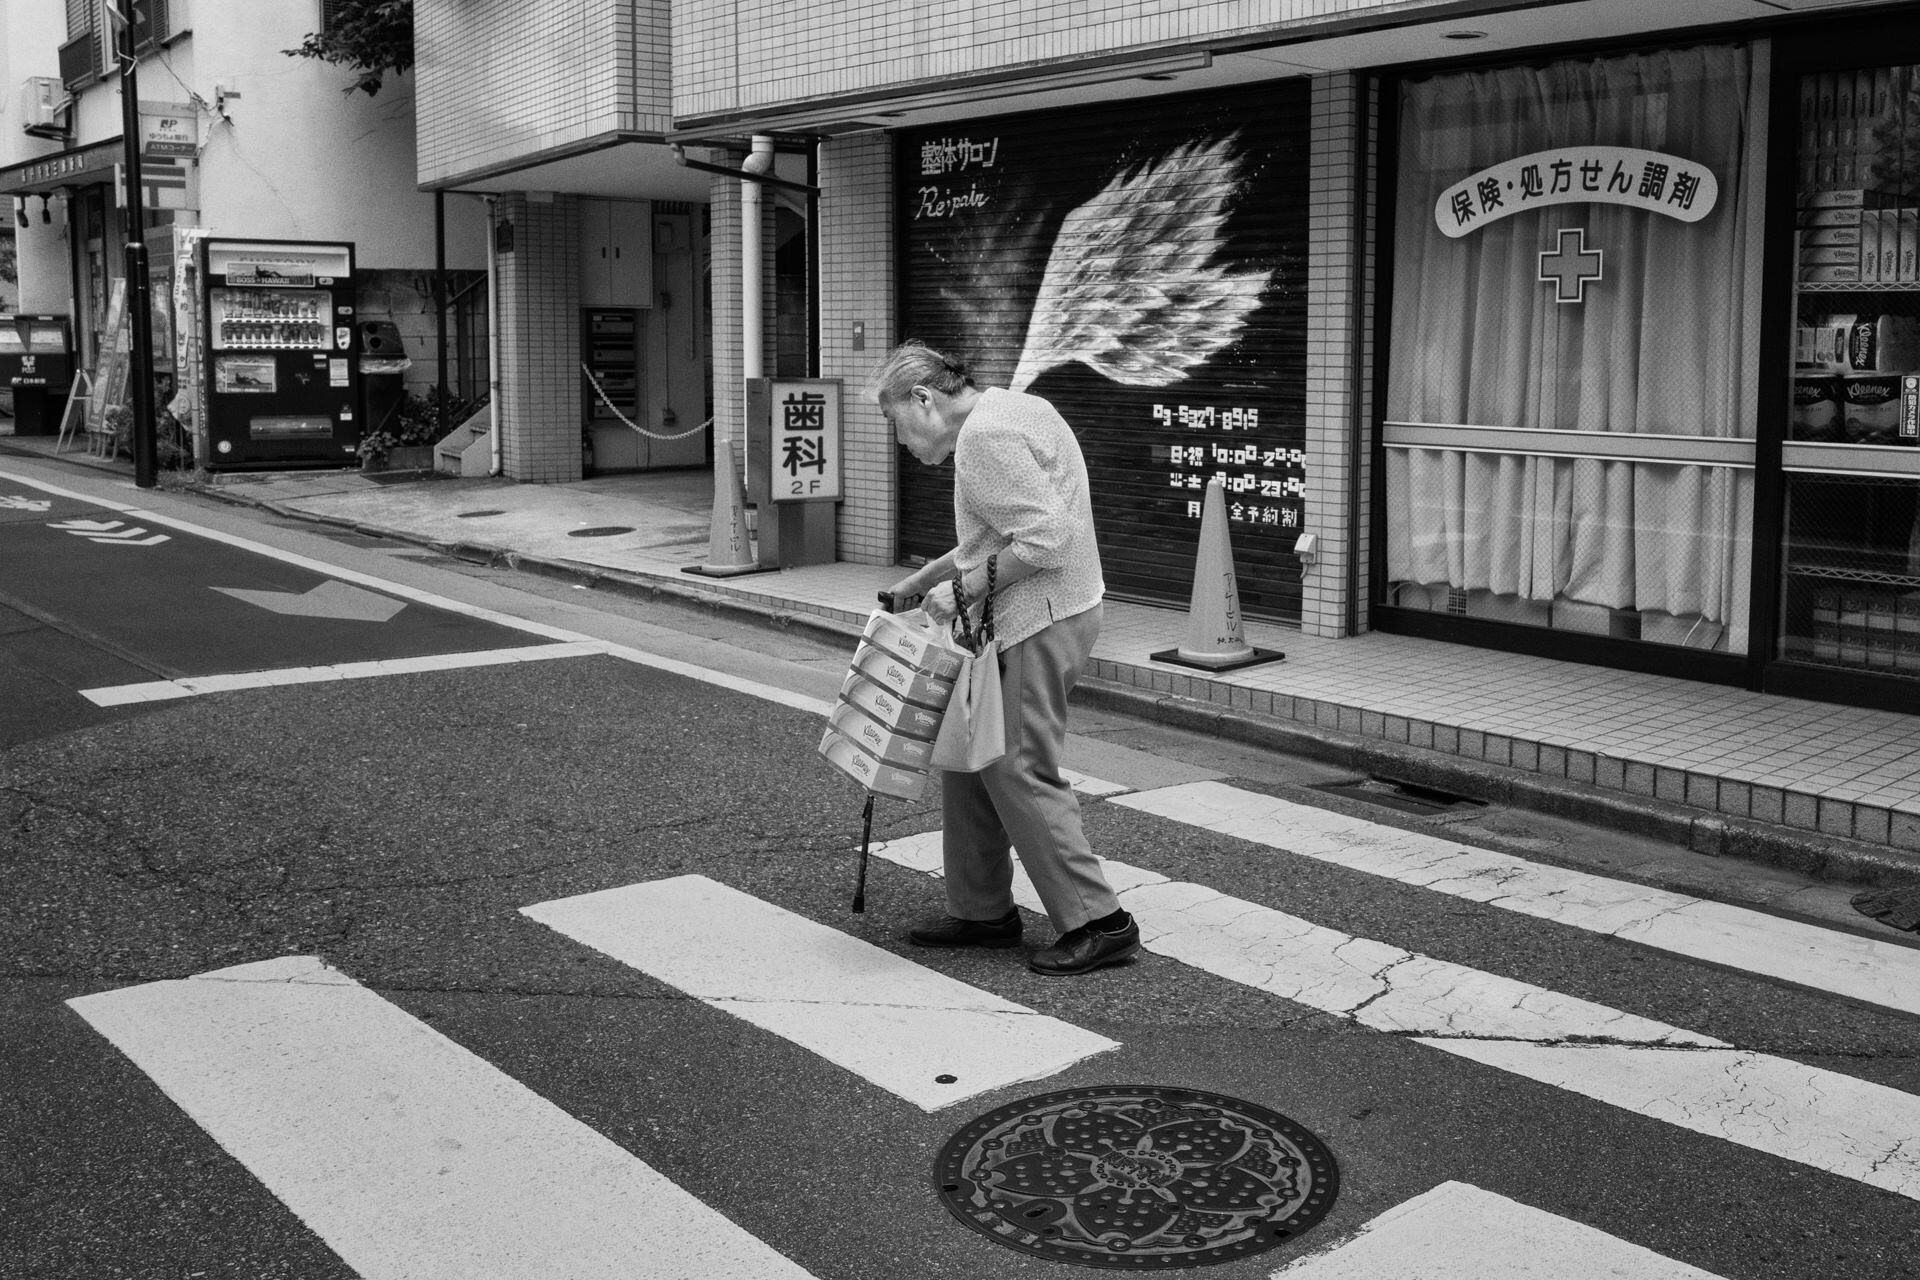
pixel 282 384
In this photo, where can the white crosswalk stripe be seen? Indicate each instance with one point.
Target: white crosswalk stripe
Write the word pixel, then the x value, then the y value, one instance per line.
pixel 1459 1232
pixel 928 1038
pixel 1833 1122
pixel 409 1156
pixel 1882 973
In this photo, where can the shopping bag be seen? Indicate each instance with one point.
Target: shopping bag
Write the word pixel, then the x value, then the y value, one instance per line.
pixel 973 734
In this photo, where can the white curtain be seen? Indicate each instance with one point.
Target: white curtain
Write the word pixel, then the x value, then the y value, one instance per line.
pixel 1657 346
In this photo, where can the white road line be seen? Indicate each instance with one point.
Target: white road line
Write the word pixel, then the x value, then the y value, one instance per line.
pixel 895 1023
pixel 1459 1232
pixel 193 686
pixel 1836 1123
pixel 409 1156
pixel 447 604
pixel 1881 973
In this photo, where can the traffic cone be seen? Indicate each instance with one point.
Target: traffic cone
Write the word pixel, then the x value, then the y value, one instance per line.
pixel 1215 641
pixel 729 546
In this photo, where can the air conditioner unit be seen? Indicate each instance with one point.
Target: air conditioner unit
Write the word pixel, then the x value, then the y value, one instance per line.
pixel 43 107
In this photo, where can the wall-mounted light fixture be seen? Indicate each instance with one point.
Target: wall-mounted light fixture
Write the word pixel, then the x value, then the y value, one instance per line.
pixel 45 216
pixel 20 211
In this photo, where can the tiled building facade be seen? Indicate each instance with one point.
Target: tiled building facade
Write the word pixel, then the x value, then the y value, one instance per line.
pixel 1528 527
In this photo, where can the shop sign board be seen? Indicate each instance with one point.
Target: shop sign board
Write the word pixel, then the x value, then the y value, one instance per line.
pixel 1655 181
pixel 167 135
pixel 806 440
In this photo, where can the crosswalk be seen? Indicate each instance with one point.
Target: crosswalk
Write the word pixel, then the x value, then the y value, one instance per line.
pixel 410 1155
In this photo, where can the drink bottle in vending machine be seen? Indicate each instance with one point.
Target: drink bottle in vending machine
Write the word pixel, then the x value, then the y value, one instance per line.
pixel 283 387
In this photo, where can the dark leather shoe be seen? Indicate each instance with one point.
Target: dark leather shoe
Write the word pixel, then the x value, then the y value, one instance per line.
pixel 1080 950
pixel 951 931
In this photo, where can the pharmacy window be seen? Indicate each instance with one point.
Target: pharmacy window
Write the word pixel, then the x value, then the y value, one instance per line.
pixel 1572 363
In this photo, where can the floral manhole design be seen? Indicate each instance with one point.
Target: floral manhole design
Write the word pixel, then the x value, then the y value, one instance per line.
pixel 1136 1177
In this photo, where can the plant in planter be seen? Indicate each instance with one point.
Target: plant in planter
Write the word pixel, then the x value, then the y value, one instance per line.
pixel 413 424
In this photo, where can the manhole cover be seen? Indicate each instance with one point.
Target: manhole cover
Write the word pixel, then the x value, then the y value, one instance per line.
pixel 600 531
pixel 469 515
pixel 1136 1177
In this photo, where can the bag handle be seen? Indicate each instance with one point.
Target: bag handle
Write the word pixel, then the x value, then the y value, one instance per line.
pixel 974 638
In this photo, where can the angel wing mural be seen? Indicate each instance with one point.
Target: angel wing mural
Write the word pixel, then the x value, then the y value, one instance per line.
pixel 1134 287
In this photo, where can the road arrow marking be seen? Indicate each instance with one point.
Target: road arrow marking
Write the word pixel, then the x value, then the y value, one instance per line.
pixel 330 599
pixel 111 532
pixel 15 502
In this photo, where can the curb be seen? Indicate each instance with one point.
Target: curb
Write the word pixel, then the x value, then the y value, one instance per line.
pixel 1718 835
pixel 1832 858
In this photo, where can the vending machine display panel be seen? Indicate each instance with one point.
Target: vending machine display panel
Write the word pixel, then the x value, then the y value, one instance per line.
pixel 282 383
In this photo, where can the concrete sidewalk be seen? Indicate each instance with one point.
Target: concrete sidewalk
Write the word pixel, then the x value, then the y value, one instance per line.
pixel 1829 790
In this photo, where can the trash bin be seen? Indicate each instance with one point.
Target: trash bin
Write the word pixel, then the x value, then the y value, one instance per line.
pixel 383 366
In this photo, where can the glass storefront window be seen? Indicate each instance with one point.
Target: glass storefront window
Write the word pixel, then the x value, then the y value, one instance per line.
pixel 1572 366
pixel 1851 594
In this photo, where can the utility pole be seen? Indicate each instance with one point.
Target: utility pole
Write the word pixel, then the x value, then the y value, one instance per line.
pixel 139 301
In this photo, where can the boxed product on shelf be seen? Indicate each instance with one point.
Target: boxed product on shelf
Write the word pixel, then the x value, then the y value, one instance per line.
pixel 1907 613
pixel 1824 344
pixel 1872 235
pixel 1848 198
pixel 1870 405
pixel 1906 655
pixel 1908 269
pixel 1830 275
pixel 1816 409
pixel 1826 607
pixel 1834 255
pixel 1884 344
pixel 1910 409
pixel 1882 611
pixel 1881 648
pixel 1826 643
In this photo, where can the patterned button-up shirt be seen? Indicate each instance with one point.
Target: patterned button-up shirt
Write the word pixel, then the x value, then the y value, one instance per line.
pixel 1020 483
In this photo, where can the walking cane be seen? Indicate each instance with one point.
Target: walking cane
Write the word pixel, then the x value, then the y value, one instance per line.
pixel 866 838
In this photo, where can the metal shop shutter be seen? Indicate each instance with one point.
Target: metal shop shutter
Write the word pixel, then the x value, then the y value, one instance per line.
pixel 1143 266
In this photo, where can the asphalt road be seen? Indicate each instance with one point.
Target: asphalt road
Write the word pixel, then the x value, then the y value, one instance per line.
pixel 396 827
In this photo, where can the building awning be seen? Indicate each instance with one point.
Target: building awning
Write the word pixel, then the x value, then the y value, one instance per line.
pixel 76 166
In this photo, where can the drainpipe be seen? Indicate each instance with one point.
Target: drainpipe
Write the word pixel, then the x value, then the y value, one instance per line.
pixel 760 161
pixel 493 336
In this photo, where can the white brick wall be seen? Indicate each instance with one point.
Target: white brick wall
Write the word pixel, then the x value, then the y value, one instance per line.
pixel 1336 324
pixel 734 55
pixel 857 286
pixel 539 302
pixel 501 80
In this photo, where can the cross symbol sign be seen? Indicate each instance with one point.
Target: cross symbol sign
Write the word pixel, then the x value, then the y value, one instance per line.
pixel 1570 266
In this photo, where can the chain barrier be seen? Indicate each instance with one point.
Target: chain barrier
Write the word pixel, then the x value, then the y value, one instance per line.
pixel 651 435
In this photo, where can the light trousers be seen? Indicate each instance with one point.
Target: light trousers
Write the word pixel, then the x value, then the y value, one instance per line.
pixel 1022 802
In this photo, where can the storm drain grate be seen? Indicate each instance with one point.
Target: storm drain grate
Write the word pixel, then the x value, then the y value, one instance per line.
pixel 1408 797
pixel 601 531
pixel 1895 908
pixel 1136 1177
pixel 470 515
